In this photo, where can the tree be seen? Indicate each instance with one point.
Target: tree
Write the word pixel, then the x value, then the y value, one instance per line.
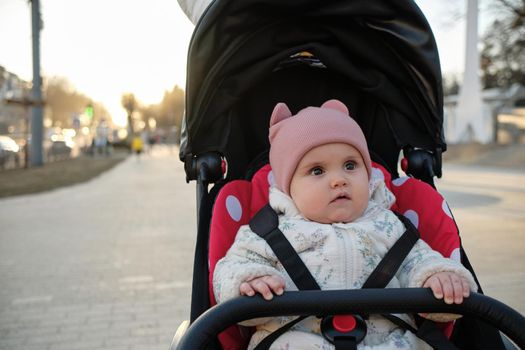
pixel 63 102
pixel 130 104
pixel 503 53
pixel 150 112
pixel 172 108
pixel 166 114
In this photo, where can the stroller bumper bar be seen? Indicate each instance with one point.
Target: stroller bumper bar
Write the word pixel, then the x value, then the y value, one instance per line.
pixel 321 303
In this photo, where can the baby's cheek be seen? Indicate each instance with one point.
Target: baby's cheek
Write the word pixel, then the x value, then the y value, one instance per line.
pixel 310 209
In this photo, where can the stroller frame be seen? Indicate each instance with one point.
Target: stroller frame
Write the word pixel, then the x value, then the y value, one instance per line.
pixel 242 50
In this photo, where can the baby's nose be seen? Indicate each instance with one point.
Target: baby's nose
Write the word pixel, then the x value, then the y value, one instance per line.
pixel 339 181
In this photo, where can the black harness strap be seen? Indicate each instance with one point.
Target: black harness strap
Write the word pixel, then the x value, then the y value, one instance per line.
pixel 345 343
pixel 384 272
pixel 268 341
pixel 388 266
pixel 426 331
pixel 429 332
pixel 266 224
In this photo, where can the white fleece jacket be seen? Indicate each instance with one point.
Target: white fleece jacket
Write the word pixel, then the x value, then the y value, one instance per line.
pixel 339 256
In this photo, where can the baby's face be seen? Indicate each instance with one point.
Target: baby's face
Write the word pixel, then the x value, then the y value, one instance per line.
pixel 330 184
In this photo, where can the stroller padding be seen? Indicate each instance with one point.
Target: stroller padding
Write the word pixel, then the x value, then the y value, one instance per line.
pixel 239 200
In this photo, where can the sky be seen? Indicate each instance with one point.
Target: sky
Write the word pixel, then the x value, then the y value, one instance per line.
pixel 103 47
pixel 108 47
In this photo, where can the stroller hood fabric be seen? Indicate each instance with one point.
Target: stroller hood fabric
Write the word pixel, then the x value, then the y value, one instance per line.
pixel 380 59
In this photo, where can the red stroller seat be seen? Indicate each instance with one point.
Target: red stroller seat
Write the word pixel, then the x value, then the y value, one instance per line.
pixel 239 200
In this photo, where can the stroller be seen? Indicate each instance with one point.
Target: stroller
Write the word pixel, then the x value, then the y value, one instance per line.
pixel 381 60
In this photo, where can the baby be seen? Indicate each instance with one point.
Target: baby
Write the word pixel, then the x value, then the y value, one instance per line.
pixel 334 209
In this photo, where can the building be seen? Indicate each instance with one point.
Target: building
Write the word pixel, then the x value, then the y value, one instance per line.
pixel 503 113
pixel 13 113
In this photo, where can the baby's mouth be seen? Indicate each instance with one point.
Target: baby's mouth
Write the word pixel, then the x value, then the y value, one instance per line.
pixel 340 197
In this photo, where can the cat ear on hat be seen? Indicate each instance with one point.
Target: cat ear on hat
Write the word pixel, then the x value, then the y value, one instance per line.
pixel 280 112
pixel 337 105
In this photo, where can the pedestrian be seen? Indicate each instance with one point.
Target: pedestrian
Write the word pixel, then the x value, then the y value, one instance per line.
pixel 137 145
pixel 101 138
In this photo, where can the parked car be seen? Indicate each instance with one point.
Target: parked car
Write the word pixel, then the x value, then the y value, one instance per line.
pixel 60 148
pixel 9 152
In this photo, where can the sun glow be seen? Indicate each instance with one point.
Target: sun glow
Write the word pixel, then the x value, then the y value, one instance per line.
pixel 104 48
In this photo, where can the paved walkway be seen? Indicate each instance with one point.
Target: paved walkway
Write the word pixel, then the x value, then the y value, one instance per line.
pixel 101 265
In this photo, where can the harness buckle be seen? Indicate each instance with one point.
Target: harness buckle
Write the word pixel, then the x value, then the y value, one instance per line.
pixel 343 326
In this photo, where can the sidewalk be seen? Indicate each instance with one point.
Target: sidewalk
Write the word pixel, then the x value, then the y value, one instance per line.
pixel 107 264
pixel 488 204
pixel 101 265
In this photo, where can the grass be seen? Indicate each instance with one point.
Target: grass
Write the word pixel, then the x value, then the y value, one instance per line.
pixel 53 175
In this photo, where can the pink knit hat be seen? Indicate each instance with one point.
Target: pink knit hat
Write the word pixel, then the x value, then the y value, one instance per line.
pixel 291 137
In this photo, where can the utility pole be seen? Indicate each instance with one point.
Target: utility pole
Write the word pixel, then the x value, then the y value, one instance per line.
pixel 37 120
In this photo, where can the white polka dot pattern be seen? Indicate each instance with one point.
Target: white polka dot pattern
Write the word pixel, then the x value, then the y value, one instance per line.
pixel 400 181
pixel 378 174
pixel 446 209
pixel 413 217
pixel 233 206
pixel 456 255
pixel 271 178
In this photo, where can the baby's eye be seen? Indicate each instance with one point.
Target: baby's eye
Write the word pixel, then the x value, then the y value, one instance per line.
pixel 316 171
pixel 351 165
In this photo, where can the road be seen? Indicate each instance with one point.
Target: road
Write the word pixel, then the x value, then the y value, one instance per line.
pixel 107 264
pixel 489 207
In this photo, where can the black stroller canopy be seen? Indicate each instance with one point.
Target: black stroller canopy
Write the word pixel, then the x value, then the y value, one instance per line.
pixel 379 57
